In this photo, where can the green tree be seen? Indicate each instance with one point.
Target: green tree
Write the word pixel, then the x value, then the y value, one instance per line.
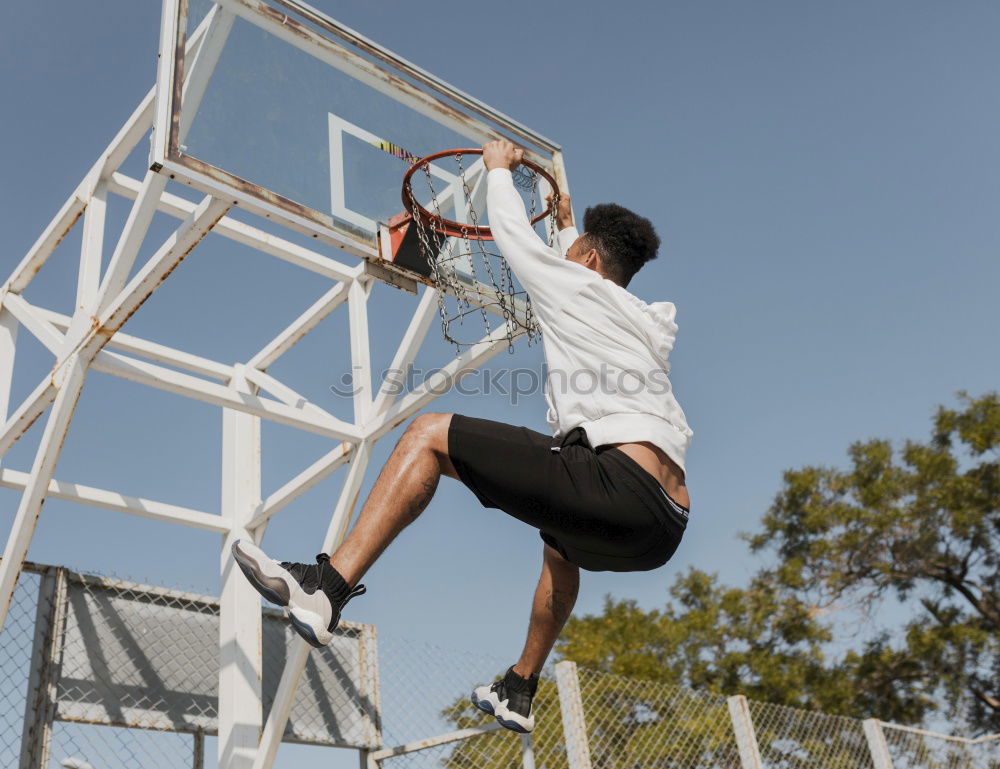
pixel 923 525
pixel 762 641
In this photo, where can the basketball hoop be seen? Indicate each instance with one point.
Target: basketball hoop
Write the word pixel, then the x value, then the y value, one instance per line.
pixel 525 176
pixel 454 252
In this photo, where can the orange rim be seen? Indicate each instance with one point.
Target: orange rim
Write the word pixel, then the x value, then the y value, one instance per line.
pixel 450 226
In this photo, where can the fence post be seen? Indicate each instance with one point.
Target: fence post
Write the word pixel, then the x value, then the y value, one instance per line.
pixel 574 724
pixel 198 760
pixel 877 745
pixel 40 704
pixel 746 739
pixel 527 752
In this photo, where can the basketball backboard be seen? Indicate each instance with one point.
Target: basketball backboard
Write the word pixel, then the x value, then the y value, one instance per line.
pixel 304 121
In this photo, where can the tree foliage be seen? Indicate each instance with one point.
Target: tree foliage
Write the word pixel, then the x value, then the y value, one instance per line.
pixel 920 524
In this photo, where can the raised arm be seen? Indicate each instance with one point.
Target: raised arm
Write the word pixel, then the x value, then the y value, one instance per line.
pixel 547 277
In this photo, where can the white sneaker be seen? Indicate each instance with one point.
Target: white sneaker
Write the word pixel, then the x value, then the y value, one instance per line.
pixel 313 594
pixel 509 700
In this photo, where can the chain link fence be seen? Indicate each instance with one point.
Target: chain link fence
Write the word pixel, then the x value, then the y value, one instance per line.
pixel 917 749
pixel 426 694
pixel 790 738
pixel 634 723
pixel 110 675
pixel 27 692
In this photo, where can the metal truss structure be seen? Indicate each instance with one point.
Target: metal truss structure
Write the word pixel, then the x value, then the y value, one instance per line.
pixel 90 338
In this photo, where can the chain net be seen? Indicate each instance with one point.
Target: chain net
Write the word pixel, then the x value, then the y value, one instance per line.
pixel 475 278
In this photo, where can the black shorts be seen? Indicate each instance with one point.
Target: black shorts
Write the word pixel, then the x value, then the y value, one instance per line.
pixel 598 508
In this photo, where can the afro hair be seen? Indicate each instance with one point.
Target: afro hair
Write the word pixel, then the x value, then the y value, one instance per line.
pixel 624 240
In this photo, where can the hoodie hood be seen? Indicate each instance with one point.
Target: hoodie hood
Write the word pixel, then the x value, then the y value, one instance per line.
pixel 658 322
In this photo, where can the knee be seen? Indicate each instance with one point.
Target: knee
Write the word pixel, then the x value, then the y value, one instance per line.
pixel 429 431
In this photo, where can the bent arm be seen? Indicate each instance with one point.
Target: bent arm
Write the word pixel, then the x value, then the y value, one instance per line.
pixel 547 277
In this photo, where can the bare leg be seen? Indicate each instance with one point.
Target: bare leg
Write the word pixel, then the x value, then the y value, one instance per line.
pixel 402 491
pixel 554 599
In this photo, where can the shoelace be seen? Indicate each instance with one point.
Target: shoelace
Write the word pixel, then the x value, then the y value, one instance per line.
pixel 359 590
pixel 310 576
pixel 305 574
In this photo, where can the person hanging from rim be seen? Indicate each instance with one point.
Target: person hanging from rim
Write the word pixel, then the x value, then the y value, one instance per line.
pixel 607 492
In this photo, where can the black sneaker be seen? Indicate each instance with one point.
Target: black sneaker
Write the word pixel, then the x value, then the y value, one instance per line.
pixel 313 594
pixel 509 700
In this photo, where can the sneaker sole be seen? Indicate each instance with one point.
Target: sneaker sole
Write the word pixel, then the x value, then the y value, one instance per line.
pixel 498 711
pixel 305 631
pixel 484 705
pixel 512 725
pixel 273 588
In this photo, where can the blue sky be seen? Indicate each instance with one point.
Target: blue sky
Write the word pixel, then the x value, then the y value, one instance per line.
pixel 823 175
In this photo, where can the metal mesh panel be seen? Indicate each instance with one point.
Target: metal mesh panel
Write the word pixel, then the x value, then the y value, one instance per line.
pixel 104 747
pixel 15 654
pixel 133 655
pixel 917 749
pixel 110 674
pixel 337 699
pixel 636 723
pixel 790 738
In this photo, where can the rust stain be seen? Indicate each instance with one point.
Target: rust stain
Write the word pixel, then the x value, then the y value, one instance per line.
pixel 176 97
pixel 64 233
pixel 108 331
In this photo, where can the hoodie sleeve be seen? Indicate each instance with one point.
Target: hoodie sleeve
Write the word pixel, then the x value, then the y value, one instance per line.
pixel 544 272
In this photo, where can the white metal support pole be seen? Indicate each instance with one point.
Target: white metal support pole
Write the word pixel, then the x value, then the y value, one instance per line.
pixel 746 739
pixel 8 344
pixel 240 624
pixel 46 457
pixel 25 415
pixel 91 249
pixel 43 676
pixel 274 728
pixel 574 722
pixel 435 384
pixel 201 65
pixel 416 332
pixel 134 232
pixel 877 746
pixel 361 374
pixel 154 184
pixel 527 752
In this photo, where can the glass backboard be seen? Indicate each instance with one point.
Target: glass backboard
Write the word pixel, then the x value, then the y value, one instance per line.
pixel 302 120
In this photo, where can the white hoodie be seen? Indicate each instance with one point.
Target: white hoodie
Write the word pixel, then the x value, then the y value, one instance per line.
pixel 606 350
